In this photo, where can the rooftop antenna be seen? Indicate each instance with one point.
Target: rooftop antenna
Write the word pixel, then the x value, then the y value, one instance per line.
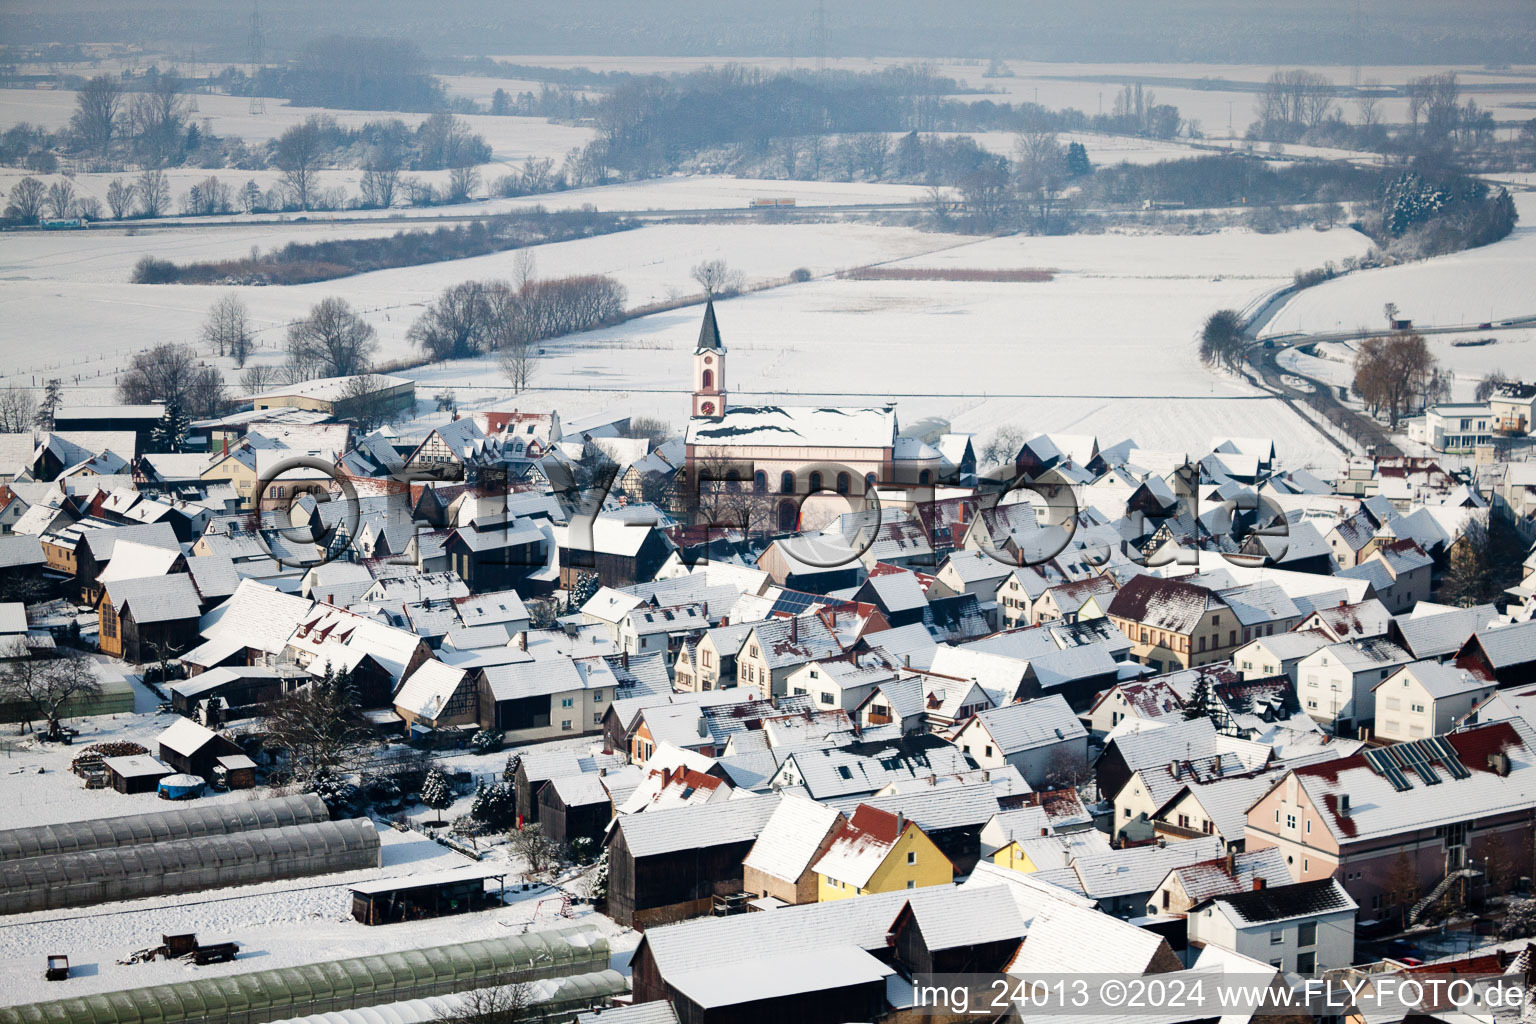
pixel 257 46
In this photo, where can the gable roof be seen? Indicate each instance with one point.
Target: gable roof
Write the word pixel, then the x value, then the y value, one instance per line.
pixel 428 690
pixel 861 846
pixel 156 598
pixel 1030 724
pixel 791 838
pixel 1159 603
pixel 186 737
pixel 1267 906
pixel 697 827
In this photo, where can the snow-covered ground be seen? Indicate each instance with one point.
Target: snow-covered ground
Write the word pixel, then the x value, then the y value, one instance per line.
pixel 1484 285
pixel 1086 351
pixel 1107 347
pixel 510 138
pixel 304 920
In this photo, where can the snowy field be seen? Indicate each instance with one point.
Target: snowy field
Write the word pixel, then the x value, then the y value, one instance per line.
pixel 72 287
pixel 1107 347
pixel 512 139
pixel 1485 285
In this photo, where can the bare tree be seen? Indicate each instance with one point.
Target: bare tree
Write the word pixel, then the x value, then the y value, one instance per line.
pixel 457 325
pixel 98 112
pixel 258 378
pixel 61 198
pixel 1042 172
pixel 320 729
pixel 297 153
pixel 18 410
pixel 26 201
pixel 461 182
pixel 525 267
pixel 1490 384
pixel 518 360
pixel 536 849
pixel 120 195
pixel 164 373
pixel 205 394
pixel 364 402
pixel 228 328
pixel 500 1004
pixel 154 192
pixel 49 688
pixel 333 341
pixel 1392 372
pixel 1367 112
pixel 158 119
pixel 717 278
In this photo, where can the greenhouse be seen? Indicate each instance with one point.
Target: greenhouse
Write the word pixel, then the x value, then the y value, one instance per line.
pixel 370 981
pixel 162 826
pixel 88 877
pixel 553 999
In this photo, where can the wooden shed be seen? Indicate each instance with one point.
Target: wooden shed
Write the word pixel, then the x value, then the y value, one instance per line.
pixel 137 773
pixel 573 806
pixel 239 771
pixel 414 897
pixel 194 749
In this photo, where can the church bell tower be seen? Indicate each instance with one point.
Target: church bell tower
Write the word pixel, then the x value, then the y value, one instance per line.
pixel 709 369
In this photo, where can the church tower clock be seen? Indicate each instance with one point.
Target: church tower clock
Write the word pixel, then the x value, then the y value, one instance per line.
pixel 709 368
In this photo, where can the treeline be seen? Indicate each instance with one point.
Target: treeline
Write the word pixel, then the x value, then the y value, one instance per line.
pixel 362 73
pixel 475 317
pixel 650 125
pixel 305 262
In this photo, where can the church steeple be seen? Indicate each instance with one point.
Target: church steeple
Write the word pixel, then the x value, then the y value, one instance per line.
pixel 709 368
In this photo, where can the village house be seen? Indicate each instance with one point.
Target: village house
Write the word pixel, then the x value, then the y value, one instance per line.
pixel 1173 624
pixel 144 620
pixel 1222 876
pixel 774 648
pixel 575 807
pixel 192 749
pixel 1504 653
pixel 1376 814
pixel 1425 698
pixel 1335 683
pixel 951 811
pixel 779 867
pixel 1277 655
pixel 837 684
pixel 1210 806
pixel 1042 738
pixel 1302 929
pixel 1398 572
pixel 438 697
pixel 666 866
pixel 879 851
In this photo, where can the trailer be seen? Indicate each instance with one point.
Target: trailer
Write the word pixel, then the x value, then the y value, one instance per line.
pixel 765 202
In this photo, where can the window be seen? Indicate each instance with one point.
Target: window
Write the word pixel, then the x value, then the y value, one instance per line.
pixel 597 695
pixel 869 482
pixel 567 702
pixel 1306 963
pixel 1306 933
pixel 911 856
pixel 843 483
pixel 760 482
pixel 1277 936
pixel 1418 707
pixel 911 884
pixel 565 725
pixel 925 478
pixel 708 380
pixel 989 750
pixel 1290 821
pixel 597 719
pixel 815 480
pixel 827 698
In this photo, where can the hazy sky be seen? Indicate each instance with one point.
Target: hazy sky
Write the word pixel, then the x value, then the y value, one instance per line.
pixel 1247 31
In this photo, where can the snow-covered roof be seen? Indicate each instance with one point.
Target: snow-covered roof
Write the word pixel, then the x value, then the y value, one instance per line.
pixel 186 737
pixel 791 838
pixel 697 827
pixel 1029 724
pixel 328 389
pixel 1439 680
pixel 795 427
pixel 427 692
pixel 861 846
pixel 156 598
pixel 1273 905
pixel 1139 869
pixel 533 678
pixel 257 616
pixel 932 806
pixel 793 973
pixel 1069 939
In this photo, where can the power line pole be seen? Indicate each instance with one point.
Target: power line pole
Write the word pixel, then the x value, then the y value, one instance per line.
pixel 257 46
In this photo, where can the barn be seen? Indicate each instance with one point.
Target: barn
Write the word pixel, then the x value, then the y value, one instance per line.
pixel 574 806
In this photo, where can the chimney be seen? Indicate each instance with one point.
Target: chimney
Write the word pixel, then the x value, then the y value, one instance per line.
pixel 624 658
pixel 906 661
pixel 794 629
pixel 901 823
pixel 1498 763
pixel 1231 862
pixel 1173 769
pixel 1044 831
pixel 933 780
pixel 666 776
pixel 1343 805
pixel 1258 883
pixel 601 772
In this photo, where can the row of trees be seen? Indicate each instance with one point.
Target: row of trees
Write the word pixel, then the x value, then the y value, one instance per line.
pixel 509 318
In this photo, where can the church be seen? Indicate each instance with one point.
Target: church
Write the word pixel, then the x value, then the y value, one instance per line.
pixel 796 451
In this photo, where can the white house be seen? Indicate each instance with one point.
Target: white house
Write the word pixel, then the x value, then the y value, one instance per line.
pixel 1334 684
pixel 1042 738
pixel 1457 428
pixel 1278 655
pixel 837 684
pixel 1302 928
pixel 1425 698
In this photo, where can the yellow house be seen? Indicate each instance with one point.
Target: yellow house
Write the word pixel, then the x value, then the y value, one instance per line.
pixel 1014 858
pixel 877 851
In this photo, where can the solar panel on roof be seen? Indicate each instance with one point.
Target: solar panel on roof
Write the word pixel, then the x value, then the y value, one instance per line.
pixel 1383 764
pixel 1448 757
pixel 1418 758
pixel 795 601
